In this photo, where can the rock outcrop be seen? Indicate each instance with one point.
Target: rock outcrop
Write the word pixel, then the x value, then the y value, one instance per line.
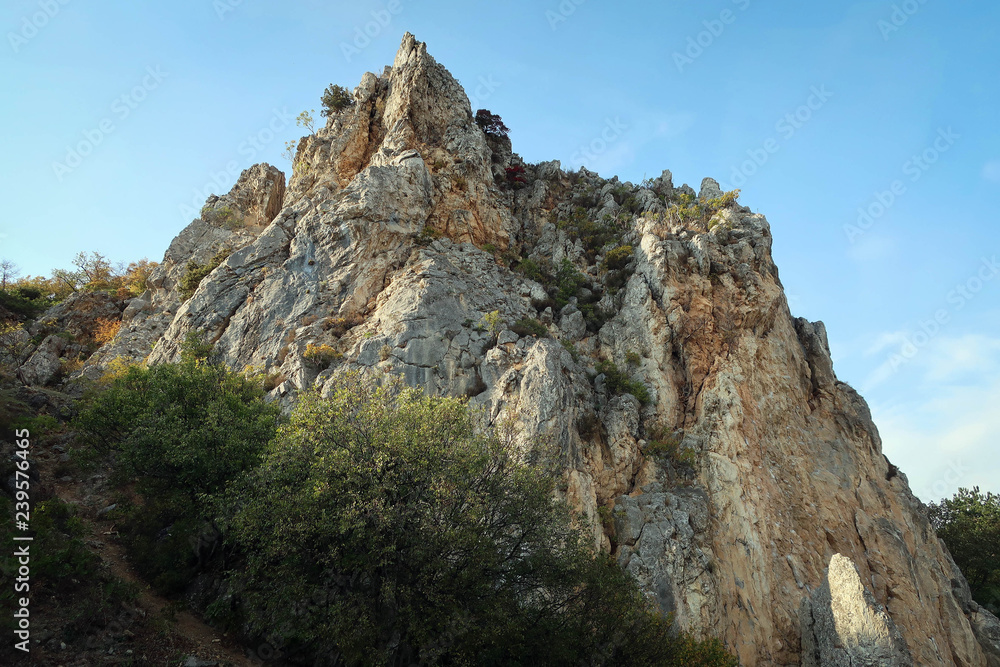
pixel 644 332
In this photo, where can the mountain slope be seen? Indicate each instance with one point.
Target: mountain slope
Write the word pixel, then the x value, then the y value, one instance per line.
pixel 728 490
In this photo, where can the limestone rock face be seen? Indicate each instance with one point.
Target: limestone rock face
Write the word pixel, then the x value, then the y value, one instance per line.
pixel 714 452
pixel 843 626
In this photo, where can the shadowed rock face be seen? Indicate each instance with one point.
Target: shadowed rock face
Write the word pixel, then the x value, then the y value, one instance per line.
pixel 778 498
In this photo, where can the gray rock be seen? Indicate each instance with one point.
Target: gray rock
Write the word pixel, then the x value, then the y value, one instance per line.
pixel 192 661
pixel 709 189
pixel 572 325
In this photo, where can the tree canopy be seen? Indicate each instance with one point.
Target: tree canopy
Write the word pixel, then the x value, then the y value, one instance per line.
pixel 969 524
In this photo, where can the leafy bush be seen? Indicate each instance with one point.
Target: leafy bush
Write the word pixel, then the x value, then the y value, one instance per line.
pixel 491 124
pixel 60 554
pixel 618 258
pixel 335 98
pixel 179 429
pixel 532 270
pixel 969 523
pixel 515 176
pixel 568 281
pixel 339 326
pixel 492 322
pixel 106 329
pixel 321 355
pixel 618 382
pixel 25 302
pixel 194 273
pixel 595 316
pixel 382 528
pixel 723 201
pixel 690 209
pixel 427 236
pixel 530 327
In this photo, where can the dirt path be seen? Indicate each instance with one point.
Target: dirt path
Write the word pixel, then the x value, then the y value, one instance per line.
pixel 186 634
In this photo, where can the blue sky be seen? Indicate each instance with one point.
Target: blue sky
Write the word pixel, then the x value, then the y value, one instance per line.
pixel 815 110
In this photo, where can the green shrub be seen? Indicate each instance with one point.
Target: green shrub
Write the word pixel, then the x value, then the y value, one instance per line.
pixel 690 209
pixel 25 302
pixel 632 358
pixel 725 200
pixel 568 281
pixel 492 322
pixel 618 382
pixel 594 235
pixel 179 430
pixel 335 98
pixel 61 558
pixel 194 273
pixel 618 258
pixel 383 528
pixel 666 446
pixel 529 326
pixel 321 355
pixel 595 316
pixel 427 236
pixel 532 270
pixel 196 346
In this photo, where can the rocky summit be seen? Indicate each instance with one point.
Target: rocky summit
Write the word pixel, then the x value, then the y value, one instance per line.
pixel 640 329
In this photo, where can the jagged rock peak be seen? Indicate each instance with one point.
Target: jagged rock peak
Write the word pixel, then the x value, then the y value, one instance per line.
pixel 255 199
pixel 414 120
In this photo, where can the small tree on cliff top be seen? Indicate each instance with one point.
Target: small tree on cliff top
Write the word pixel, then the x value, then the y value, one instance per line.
pixel 491 123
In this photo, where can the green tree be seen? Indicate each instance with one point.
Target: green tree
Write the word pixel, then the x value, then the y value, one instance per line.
pixel 491 123
pixel 384 528
pixel 180 429
pixel 335 98
pixel 969 524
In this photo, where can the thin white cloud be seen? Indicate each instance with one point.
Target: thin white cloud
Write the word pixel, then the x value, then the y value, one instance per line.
pixel 619 155
pixel 671 126
pixel 991 171
pixel 950 438
pixel 872 248
pixel 887 339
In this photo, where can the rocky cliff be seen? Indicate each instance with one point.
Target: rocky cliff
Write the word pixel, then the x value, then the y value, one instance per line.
pixel 641 329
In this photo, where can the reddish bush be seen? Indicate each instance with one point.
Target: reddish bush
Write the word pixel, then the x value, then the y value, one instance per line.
pixel 515 175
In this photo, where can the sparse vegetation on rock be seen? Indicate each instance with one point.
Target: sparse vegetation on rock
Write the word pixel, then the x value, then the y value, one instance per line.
pixel 335 99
